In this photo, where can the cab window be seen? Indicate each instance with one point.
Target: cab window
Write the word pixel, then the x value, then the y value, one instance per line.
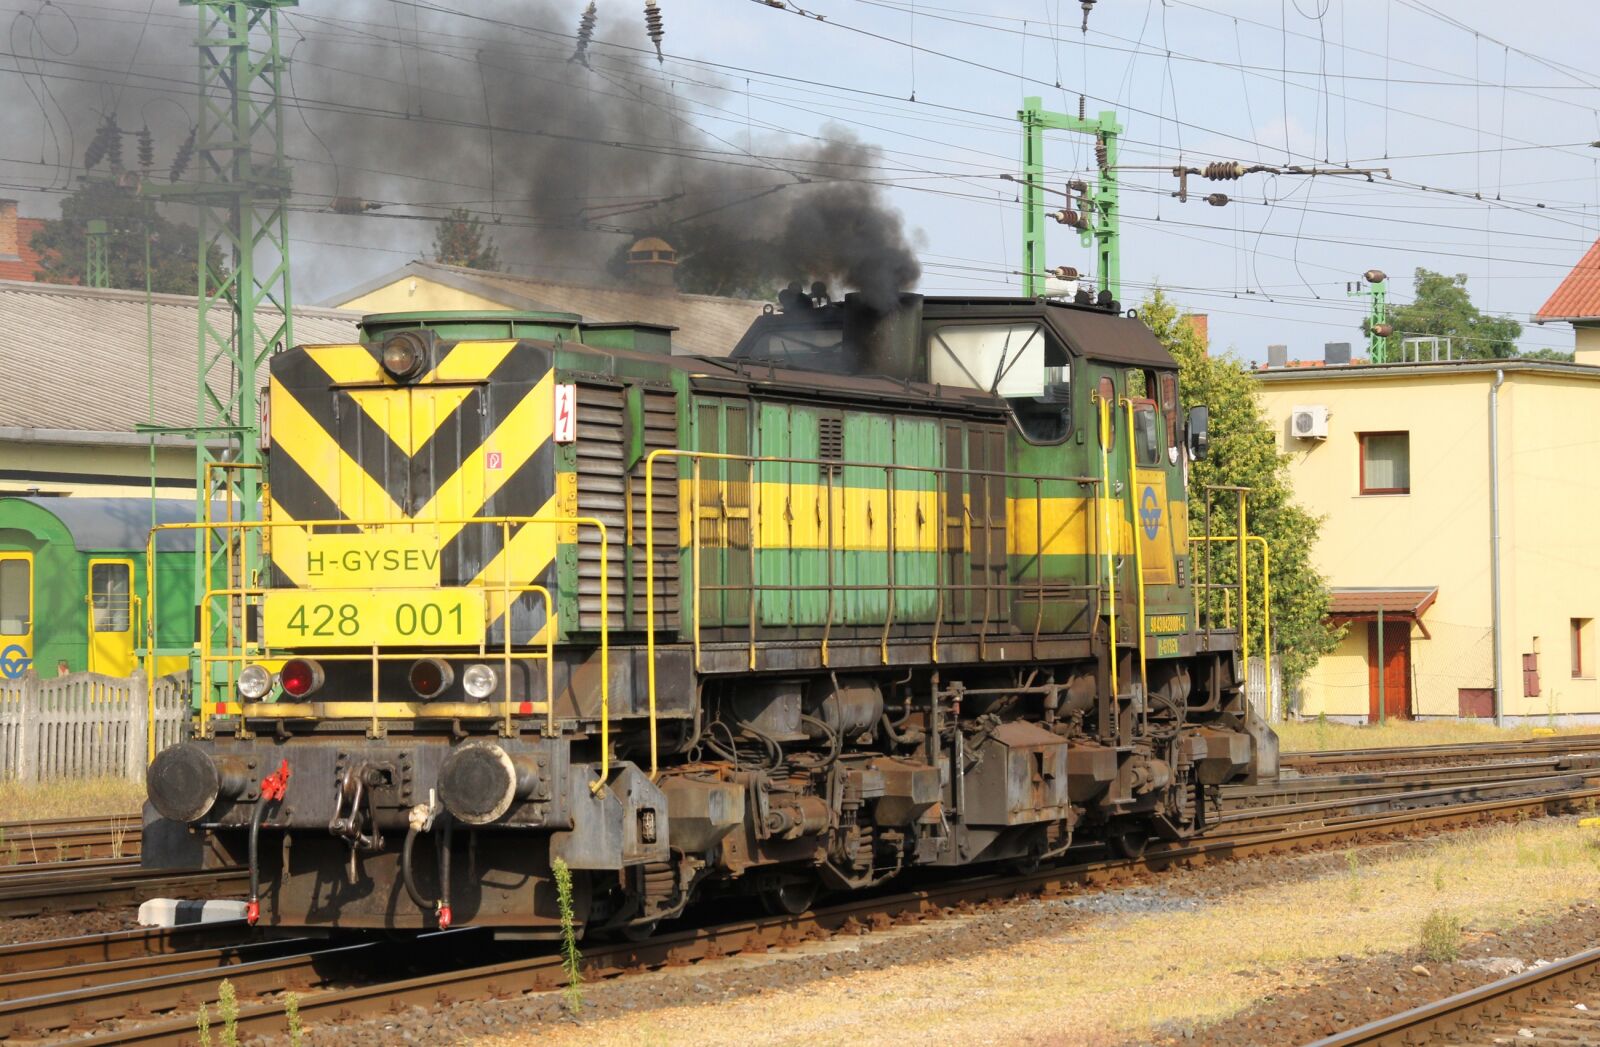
pixel 1019 361
pixel 1146 440
pixel 14 593
pixel 1169 410
pixel 109 592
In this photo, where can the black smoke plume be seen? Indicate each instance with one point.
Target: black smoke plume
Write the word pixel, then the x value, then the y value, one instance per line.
pixel 413 111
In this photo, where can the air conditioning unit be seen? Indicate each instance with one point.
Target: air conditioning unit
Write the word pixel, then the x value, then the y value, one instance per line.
pixel 1309 422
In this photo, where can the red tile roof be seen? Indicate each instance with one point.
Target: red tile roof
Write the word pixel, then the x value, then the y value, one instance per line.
pixel 1410 603
pixel 1578 297
pixel 26 265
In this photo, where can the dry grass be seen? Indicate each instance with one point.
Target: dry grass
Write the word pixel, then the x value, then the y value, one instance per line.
pixel 1106 979
pixel 70 798
pixel 1320 735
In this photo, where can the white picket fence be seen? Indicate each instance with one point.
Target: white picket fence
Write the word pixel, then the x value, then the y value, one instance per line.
pixel 1267 702
pixel 86 725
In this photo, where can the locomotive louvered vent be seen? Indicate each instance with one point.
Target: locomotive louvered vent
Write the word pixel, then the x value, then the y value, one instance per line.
pixel 830 439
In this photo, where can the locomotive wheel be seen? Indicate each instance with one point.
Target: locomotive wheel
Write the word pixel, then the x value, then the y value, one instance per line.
pixel 789 897
pixel 1129 843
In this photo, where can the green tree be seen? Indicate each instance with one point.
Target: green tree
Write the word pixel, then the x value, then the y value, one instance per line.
pixel 63 242
pixel 1244 453
pixel 1443 307
pixel 460 240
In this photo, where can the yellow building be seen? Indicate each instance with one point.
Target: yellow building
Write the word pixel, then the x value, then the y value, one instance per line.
pixel 1397 459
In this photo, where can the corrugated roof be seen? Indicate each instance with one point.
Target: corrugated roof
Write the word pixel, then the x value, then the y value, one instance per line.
pixel 25 264
pixel 75 357
pixel 1578 296
pixel 707 325
pixel 1409 603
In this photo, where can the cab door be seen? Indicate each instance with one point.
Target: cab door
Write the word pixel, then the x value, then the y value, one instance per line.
pixel 16 614
pixel 111 617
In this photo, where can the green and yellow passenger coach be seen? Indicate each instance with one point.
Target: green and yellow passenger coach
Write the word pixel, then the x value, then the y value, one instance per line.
pixel 72 584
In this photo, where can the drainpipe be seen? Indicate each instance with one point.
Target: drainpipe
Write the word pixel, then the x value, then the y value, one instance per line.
pixel 1494 545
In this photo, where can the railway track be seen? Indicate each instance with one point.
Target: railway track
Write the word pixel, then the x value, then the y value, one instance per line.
pixel 1537 1006
pixel 100 1004
pixel 85 886
pixel 56 840
pixel 1437 755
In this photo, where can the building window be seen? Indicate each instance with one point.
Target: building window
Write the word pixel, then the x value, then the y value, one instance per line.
pixel 1582 656
pixel 1385 463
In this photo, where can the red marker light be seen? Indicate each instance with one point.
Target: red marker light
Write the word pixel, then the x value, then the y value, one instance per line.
pixel 299 677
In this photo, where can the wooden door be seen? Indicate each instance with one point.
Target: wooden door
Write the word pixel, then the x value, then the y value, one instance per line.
pixel 1396 668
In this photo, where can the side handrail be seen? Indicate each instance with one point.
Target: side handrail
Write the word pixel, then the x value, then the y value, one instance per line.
pixel 1103 409
pixel 1266 596
pixel 1138 552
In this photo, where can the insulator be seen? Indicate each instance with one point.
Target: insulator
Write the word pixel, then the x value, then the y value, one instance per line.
pixel 1217 199
pixel 185 153
pixel 652 25
pixel 1066 216
pixel 99 145
pixel 1383 330
pixel 348 205
pixel 1224 170
pixel 147 149
pixel 113 142
pixel 1078 185
pixel 1083 112
pixel 1065 272
pixel 1088 5
pixel 1100 151
pixel 585 34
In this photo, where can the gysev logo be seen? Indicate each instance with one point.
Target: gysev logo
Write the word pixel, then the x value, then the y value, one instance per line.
pixel 14 661
pixel 368 561
pixel 1150 513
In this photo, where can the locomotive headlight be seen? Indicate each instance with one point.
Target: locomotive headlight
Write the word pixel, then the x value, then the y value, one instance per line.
pixel 300 676
pixel 430 677
pixel 479 680
pixel 404 355
pixel 254 682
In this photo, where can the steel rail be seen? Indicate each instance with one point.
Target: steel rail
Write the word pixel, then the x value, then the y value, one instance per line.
pixel 67 888
pixel 545 972
pixel 24 957
pixel 1483 1011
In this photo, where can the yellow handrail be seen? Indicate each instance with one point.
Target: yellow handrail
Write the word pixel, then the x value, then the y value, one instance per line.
pixel 243 592
pixel 1266 597
pixel 1138 548
pixel 1104 410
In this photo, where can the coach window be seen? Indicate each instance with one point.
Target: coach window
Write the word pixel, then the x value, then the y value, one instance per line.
pixel 1020 362
pixel 14 597
pixel 1385 463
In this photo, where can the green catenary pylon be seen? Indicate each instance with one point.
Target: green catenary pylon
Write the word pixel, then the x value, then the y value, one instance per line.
pixel 1104 229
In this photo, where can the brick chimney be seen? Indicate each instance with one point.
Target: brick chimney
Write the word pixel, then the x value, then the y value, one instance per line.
pixel 9 248
pixel 1200 324
pixel 651 264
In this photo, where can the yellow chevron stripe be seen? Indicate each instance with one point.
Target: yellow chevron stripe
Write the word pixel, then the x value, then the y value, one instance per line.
pixel 523 559
pixel 298 435
pixel 470 362
pixel 346 364
pixel 529 425
pixel 288 546
pixel 465 362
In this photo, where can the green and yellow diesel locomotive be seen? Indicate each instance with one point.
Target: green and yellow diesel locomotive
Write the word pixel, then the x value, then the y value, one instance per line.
pixel 895 584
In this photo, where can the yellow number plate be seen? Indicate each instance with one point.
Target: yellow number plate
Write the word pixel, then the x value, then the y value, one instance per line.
pixel 297 618
pixel 1166 647
pixel 367 561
